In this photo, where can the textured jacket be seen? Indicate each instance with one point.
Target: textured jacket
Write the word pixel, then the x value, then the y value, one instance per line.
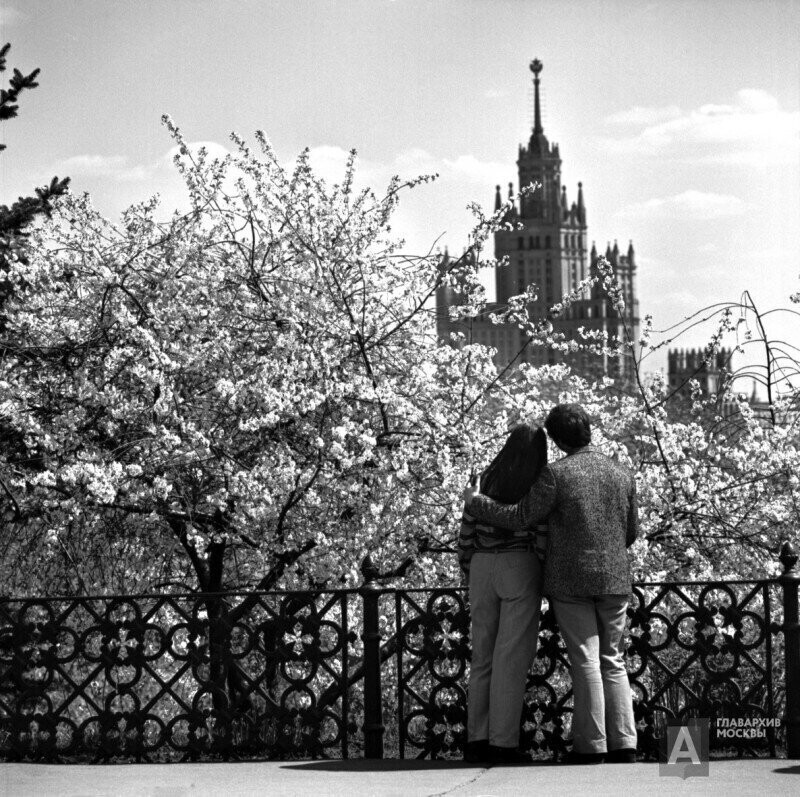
pixel 589 501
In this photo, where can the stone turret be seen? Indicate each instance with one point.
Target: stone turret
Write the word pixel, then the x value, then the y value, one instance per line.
pixel 695 363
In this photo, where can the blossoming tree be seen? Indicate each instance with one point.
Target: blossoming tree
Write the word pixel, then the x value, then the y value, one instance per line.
pixel 252 394
pixel 249 395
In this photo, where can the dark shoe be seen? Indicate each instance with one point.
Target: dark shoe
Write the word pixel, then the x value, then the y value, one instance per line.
pixel 477 752
pixel 585 758
pixel 507 755
pixel 626 755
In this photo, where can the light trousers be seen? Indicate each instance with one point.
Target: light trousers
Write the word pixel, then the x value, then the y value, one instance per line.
pixel 505 594
pixel 592 629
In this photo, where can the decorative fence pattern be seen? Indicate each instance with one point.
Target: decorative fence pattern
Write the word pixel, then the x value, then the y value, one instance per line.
pixel 152 678
pixel 351 673
pixel 701 650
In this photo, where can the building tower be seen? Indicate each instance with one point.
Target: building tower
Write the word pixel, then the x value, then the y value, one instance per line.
pixel 684 365
pixel 548 247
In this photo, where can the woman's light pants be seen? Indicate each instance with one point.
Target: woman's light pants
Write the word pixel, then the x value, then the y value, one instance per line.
pixel 592 629
pixel 505 594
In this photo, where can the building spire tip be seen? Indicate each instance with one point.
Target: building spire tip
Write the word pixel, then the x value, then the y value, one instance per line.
pixel 536 68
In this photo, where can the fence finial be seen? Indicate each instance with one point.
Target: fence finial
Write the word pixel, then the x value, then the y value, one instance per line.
pixel 788 556
pixel 368 570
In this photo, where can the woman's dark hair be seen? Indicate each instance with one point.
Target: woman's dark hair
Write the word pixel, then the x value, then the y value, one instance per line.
pixel 569 425
pixel 513 471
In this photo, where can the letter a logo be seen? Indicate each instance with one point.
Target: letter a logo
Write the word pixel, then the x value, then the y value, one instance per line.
pixel 685 749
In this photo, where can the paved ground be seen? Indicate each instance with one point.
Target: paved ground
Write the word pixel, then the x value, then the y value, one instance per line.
pixel 389 778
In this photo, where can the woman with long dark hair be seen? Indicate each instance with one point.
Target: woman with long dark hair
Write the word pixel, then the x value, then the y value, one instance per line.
pixel 505 595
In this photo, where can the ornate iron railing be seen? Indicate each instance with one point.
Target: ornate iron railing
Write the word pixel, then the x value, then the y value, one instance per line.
pixel 692 650
pixel 154 677
pixel 369 672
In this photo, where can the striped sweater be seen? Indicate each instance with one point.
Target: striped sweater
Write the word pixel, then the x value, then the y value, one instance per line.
pixel 475 537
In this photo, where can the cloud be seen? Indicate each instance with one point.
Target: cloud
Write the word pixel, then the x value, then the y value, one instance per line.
pixel 327 161
pixel 214 151
pixel 330 162
pixel 425 216
pixel 754 130
pixel 112 166
pixel 413 162
pixel 117 167
pixel 115 183
pixel 11 16
pixel 484 172
pixel 641 115
pixel 689 205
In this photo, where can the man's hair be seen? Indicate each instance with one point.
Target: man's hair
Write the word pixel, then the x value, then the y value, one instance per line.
pixel 569 425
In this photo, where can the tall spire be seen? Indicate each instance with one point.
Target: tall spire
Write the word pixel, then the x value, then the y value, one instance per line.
pixel 538 146
pixel 536 68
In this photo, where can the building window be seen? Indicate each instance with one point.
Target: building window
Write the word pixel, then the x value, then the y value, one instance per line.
pixel 521 242
pixel 547 242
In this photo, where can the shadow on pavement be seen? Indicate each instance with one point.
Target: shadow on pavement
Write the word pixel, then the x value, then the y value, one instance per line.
pixel 378 764
pixel 389 765
pixel 795 770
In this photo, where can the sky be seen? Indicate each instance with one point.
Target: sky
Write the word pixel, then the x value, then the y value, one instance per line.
pixel 681 119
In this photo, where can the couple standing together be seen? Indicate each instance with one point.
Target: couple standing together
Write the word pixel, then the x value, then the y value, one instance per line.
pixel 561 530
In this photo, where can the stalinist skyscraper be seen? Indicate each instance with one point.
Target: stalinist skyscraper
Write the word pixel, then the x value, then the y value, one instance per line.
pixel 548 247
